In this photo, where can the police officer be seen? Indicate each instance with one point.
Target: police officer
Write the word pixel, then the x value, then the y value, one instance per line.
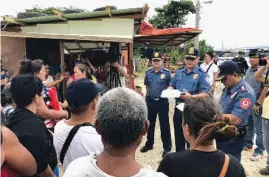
pixel 194 83
pixel 237 101
pixel 157 79
pixel 242 63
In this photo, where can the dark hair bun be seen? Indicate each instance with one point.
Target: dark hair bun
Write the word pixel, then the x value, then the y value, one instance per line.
pixel 25 67
pixel 225 133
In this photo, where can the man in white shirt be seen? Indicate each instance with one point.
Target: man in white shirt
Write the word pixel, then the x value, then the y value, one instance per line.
pixel 122 123
pixel 82 97
pixel 211 69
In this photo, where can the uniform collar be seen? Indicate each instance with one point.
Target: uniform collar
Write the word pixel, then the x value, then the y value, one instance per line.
pixel 236 87
pixel 254 70
pixel 195 70
pixel 160 71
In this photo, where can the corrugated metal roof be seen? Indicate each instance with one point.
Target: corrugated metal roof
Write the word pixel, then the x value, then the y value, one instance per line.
pixel 167 39
pixel 124 13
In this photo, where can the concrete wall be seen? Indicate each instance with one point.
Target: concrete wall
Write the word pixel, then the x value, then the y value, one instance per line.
pixel 12 51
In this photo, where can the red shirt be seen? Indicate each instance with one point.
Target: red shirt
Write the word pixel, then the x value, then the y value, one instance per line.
pixel 7 172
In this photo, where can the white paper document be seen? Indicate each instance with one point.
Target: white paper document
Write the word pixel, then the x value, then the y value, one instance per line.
pixel 169 93
pixel 180 106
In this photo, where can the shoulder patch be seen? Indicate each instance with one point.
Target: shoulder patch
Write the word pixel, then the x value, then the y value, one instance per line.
pixel 245 103
pixel 208 80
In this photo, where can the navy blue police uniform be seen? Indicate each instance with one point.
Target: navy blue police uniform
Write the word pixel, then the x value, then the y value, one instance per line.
pixel 156 82
pixel 238 101
pixel 194 82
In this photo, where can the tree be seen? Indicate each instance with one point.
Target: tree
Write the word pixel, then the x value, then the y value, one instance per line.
pixel 49 10
pixel 203 48
pixel 172 14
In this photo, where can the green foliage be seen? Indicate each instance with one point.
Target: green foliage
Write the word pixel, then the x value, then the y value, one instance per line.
pixel 172 14
pixel 49 11
pixel 203 48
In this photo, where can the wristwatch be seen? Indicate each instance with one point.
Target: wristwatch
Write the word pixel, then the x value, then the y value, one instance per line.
pixel 257 104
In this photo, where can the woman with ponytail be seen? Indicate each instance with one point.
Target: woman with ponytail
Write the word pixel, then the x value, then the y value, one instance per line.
pixel 44 110
pixel 202 125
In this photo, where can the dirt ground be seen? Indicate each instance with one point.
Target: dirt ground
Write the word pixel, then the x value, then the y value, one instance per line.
pixel 152 158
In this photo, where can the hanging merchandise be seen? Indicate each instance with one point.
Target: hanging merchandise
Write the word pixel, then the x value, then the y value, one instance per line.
pixel 114 56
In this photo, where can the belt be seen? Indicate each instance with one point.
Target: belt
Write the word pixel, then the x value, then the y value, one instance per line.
pixel 154 99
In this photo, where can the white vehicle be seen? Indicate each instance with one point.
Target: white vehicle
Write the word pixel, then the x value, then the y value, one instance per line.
pixel 229 55
pixel 225 56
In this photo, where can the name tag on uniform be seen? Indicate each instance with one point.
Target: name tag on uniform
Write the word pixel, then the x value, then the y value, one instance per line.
pixel 169 93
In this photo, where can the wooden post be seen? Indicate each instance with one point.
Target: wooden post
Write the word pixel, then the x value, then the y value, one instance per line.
pixel 62 57
pixel 130 64
pixel 62 66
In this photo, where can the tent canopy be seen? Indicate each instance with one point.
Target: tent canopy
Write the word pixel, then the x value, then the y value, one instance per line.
pixel 169 36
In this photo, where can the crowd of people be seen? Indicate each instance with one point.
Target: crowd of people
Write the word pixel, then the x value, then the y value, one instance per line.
pixel 92 133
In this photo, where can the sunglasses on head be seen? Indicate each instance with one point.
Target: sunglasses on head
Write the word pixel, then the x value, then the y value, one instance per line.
pixel 224 78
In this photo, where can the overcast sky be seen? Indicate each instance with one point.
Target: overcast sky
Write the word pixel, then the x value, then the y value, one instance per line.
pixel 235 23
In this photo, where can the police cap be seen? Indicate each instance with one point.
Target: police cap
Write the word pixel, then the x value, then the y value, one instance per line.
pixel 192 54
pixel 157 56
pixel 227 68
pixel 253 54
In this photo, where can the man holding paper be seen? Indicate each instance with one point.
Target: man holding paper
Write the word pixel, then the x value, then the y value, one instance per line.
pixel 157 79
pixel 194 83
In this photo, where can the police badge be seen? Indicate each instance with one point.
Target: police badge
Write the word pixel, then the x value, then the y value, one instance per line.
pixel 195 76
pixel 191 51
pixel 156 55
pixel 162 76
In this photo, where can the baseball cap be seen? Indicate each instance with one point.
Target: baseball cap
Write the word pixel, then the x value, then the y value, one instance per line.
pixel 228 67
pixel 192 54
pixel 81 92
pixel 264 54
pixel 157 56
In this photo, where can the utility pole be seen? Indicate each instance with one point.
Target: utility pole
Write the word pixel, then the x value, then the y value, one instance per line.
pixel 198 8
pixel 197 23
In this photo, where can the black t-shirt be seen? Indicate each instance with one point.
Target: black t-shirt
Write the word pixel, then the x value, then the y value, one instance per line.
pixel 242 64
pixel 191 163
pixel 34 136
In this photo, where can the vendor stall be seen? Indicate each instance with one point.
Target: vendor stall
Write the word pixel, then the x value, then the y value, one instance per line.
pixel 98 36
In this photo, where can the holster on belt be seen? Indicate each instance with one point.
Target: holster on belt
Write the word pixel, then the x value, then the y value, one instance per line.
pixel 241 132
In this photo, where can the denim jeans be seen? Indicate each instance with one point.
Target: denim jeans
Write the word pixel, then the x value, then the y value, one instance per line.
pixel 255 127
pixel 265 130
pixel 233 147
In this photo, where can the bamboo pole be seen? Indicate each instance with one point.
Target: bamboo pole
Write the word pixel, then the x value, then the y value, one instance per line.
pixel 131 66
pixel 62 56
pixel 62 64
